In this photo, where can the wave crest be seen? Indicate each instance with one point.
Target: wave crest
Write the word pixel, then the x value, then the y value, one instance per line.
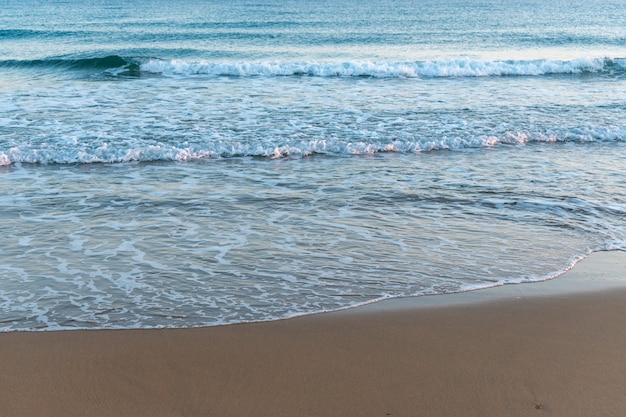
pixel 430 69
pixel 150 151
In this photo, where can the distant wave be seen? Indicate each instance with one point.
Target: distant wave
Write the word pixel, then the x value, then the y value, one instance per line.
pixel 151 151
pixel 37 33
pixel 115 65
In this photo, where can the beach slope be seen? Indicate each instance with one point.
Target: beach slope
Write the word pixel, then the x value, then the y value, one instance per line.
pixel 555 348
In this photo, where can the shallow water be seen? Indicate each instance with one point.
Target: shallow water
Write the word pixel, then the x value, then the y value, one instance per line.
pixel 134 245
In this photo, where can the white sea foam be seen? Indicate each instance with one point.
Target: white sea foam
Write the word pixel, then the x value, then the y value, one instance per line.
pixel 452 68
pixel 146 151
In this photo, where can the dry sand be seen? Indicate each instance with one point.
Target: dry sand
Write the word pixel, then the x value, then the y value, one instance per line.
pixel 556 349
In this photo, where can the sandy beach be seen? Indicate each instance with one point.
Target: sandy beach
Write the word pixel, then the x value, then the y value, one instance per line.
pixel 555 348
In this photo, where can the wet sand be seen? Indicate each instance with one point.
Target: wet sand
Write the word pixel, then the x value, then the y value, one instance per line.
pixel 556 349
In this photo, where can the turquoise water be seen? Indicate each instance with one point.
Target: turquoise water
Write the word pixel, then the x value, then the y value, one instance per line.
pixel 174 164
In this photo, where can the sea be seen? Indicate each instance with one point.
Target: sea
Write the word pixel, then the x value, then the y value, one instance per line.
pixel 185 163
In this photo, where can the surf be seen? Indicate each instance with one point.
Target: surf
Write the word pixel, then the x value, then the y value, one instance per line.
pixel 119 66
pixel 417 69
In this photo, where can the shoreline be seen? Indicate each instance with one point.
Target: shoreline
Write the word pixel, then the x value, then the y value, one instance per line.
pixel 548 348
pixel 598 271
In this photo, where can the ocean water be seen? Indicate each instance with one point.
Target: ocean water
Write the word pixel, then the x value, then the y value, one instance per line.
pixel 204 162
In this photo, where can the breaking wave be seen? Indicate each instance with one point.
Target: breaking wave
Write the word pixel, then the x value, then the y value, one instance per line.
pixel 115 65
pixel 453 68
pixel 181 151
